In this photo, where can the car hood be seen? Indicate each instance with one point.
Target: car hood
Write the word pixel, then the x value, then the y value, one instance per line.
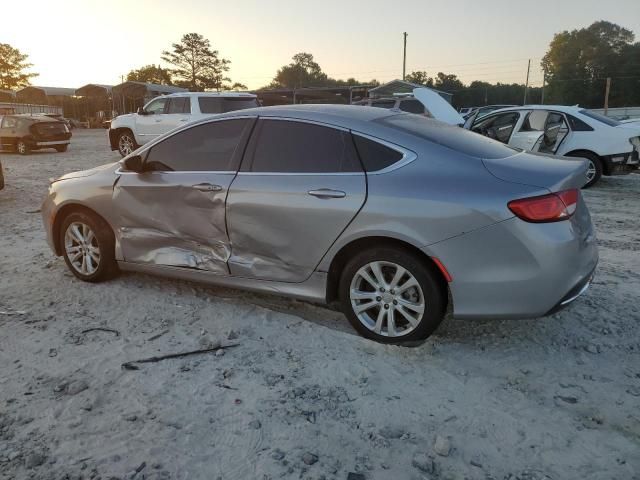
pixel 87 173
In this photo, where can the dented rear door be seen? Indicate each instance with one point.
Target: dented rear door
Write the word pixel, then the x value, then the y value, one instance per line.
pixel 173 214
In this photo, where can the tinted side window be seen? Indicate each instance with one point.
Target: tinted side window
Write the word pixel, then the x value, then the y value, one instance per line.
pixel 384 103
pixel 374 155
pixel 411 106
pixel 297 147
pixel 208 147
pixel 157 106
pixel 578 125
pixel 179 105
pixel 9 122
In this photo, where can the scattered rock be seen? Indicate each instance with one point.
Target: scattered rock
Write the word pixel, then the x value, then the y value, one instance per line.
pixel 255 424
pixel 475 463
pixel 277 454
pixel 635 391
pixel 593 349
pixel 355 476
pixel 131 418
pixel 34 460
pixel 442 446
pixel 391 432
pixel 571 400
pixel 309 458
pixel 76 387
pixel 422 462
pixel 219 353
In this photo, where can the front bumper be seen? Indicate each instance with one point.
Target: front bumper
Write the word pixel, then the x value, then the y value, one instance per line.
pixel 621 163
pixel 48 215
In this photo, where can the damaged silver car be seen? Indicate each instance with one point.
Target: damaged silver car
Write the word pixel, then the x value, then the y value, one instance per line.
pixel 395 216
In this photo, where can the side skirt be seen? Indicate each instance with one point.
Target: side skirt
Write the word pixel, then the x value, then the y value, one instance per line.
pixel 313 289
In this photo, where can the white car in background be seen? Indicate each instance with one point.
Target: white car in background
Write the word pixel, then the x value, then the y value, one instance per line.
pixel 611 147
pixel 164 113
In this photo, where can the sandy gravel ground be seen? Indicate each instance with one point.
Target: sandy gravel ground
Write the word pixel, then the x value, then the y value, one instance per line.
pixel 302 396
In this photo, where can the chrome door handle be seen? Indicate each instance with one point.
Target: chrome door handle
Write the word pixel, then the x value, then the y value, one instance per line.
pixel 327 193
pixel 207 187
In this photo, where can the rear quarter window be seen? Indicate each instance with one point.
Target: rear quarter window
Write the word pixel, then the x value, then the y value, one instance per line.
pixel 455 138
pixel 374 155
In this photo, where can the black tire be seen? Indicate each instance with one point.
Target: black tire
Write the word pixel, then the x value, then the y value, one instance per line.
pixel 61 148
pixel 104 241
pixel 126 140
pixel 433 294
pixel 23 147
pixel 594 163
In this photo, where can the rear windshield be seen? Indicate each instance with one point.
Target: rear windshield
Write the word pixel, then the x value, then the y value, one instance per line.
pixel 226 104
pixel 601 118
pixel 455 138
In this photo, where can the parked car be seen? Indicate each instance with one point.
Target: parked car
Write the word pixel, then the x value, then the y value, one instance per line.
pixel 610 147
pixel 62 119
pixel 388 213
pixel 24 133
pixel 128 132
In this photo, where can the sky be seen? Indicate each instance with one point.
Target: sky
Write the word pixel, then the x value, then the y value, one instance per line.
pixel 75 42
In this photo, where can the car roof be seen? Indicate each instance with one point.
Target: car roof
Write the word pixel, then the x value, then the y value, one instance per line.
pixel 210 94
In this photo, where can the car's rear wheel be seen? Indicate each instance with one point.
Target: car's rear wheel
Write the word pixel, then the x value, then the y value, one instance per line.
pixel 22 147
pixel 61 148
pixel 126 143
pixel 88 247
pixel 594 169
pixel 391 296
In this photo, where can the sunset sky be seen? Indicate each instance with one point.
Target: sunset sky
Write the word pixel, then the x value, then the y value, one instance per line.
pixel 73 42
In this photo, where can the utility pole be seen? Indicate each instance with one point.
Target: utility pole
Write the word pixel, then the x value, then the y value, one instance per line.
pixel 526 87
pixel 606 96
pixel 404 57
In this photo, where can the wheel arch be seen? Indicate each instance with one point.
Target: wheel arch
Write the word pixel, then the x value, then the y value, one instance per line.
pixel 63 213
pixel 340 259
pixel 578 151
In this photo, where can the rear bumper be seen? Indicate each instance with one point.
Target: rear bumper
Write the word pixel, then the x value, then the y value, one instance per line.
pixel 515 269
pixel 52 143
pixel 621 163
pixel 578 290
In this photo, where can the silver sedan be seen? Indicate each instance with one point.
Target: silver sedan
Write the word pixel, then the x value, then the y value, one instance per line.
pixel 396 217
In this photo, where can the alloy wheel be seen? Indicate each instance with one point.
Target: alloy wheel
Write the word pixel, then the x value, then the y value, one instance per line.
pixel 591 171
pixel 387 299
pixel 125 145
pixel 82 249
pixel 22 148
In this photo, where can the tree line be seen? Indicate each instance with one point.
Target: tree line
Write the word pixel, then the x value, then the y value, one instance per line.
pixel 576 67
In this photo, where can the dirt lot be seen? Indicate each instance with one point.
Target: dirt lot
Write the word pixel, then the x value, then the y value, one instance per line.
pixel 302 396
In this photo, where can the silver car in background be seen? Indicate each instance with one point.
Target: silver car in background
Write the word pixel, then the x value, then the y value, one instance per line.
pixel 395 216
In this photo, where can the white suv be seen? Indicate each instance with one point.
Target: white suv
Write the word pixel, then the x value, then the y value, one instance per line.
pixel 128 132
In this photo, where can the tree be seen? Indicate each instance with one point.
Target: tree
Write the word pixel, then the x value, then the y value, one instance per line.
pixel 578 62
pixel 448 82
pixel 237 86
pixel 302 72
pixel 420 77
pixel 151 74
pixel 197 66
pixel 13 64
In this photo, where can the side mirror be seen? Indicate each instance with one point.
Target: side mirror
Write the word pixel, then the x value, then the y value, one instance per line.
pixel 141 111
pixel 133 164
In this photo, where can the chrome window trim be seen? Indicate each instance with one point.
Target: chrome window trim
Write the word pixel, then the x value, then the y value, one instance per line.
pixel 120 171
pixel 408 156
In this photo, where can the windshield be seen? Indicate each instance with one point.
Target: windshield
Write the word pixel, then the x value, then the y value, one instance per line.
pixel 601 118
pixel 455 138
pixel 226 104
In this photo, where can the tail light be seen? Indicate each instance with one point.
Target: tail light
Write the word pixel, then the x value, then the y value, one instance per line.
pixel 546 208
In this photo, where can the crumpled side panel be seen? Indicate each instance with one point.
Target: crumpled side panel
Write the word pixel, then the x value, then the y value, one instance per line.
pixel 171 224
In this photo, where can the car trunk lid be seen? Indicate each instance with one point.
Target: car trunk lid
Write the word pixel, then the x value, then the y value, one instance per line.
pixel 50 130
pixel 544 171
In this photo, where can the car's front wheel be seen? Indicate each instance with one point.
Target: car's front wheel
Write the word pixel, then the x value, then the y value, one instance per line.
pixel 126 143
pixel 88 247
pixel 392 296
pixel 22 147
